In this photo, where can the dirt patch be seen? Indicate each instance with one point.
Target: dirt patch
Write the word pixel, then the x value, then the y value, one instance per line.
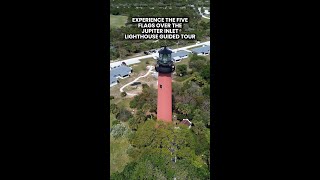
pixel 137 89
pixel 150 80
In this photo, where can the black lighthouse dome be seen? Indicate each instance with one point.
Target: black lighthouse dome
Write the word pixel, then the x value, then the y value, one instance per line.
pixel 165 63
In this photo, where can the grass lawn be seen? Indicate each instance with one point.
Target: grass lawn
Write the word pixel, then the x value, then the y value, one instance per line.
pixel 205 20
pixel 183 78
pixel 125 101
pixel 142 66
pixel 207 57
pixel 117 21
pixel 118 155
pixel 184 61
pixel 112 118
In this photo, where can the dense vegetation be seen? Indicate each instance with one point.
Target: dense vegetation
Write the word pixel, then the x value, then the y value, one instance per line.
pixel 145 3
pixel 120 48
pixel 182 70
pixel 163 151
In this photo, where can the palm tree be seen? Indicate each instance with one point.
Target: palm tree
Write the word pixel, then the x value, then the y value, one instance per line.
pixel 184 108
pixel 140 116
pixel 146 107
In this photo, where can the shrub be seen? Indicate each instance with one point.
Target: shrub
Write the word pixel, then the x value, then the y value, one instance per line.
pixel 133 124
pixel 133 103
pixel 133 152
pixel 115 122
pixel 197 63
pixel 181 116
pixel 123 94
pixel 118 130
pixel 144 86
pixel 206 90
pixel 123 115
pixel 182 70
pixel 113 108
pixel 205 73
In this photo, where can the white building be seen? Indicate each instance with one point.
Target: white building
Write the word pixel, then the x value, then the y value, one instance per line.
pixel 179 55
pixel 128 62
pixel 186 122
pixel 122 71
pixel 205 50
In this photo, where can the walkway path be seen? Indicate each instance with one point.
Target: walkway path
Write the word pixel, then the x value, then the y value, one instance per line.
pixel 199 9
pixel 205 16
pixel 130 94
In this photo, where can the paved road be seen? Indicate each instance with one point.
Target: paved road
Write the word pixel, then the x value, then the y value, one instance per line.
pixel 130 94
pixel 191 46
pixel 134 60
pixel 137 59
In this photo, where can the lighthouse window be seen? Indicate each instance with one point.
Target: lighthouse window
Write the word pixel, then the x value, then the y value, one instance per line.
pixel 160 86
pixel 165 58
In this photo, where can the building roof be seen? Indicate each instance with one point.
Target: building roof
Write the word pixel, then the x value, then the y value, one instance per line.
pixel 112 79
pixel 176 57
pixel 180 54
pixel 204 49
pixel 119 71
pixel 186 122
pixel 128 62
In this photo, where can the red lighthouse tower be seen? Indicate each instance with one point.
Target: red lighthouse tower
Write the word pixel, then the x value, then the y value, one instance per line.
pixel 164 67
